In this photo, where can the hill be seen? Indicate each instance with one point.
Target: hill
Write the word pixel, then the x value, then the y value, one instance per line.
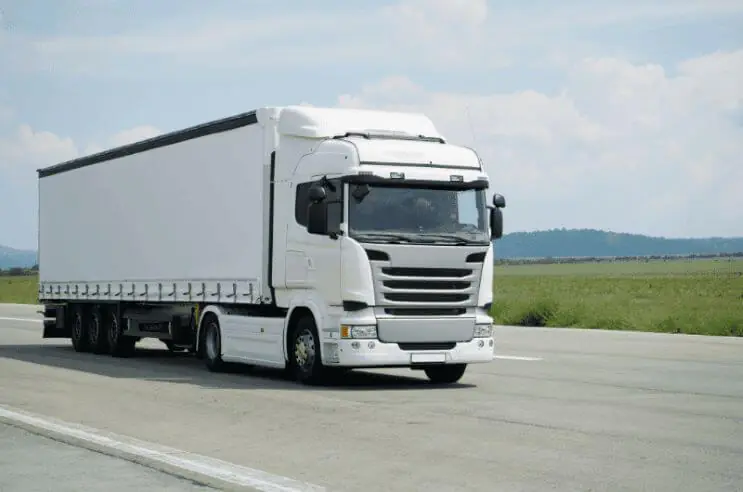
pixel 15 258
pixel 591 243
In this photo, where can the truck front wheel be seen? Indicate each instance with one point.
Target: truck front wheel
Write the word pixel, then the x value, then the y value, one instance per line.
pixel 305 363
pixel 445 374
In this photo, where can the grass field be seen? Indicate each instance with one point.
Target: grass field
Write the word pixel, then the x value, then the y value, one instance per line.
pixel 675 296
pixel 19 290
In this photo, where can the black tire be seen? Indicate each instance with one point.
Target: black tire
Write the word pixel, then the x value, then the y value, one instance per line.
pixel 305 362
pixel 212 344
pixel 119 345
pixel 97 335
pixel 79 330
pixel 445 374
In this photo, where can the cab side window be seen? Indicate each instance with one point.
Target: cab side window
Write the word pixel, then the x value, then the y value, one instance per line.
pixel 335 203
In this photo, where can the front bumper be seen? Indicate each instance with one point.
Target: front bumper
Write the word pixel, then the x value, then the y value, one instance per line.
pixel 373 353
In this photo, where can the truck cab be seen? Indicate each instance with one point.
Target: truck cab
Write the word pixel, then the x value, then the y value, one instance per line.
pixel 387 243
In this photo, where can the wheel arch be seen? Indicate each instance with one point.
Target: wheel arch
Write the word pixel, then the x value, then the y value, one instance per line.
pixel 202 313
pixel 296 311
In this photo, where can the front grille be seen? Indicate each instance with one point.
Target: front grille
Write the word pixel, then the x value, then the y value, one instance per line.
pixel 426 284
pixel 426 272
pixel 440 287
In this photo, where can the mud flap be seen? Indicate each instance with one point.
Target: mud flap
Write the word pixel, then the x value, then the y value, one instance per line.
pixel 54 322
pixel 52 331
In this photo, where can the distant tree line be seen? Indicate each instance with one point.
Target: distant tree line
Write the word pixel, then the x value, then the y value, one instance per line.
pixel 550 260
pixel 591 243
pixel 19 271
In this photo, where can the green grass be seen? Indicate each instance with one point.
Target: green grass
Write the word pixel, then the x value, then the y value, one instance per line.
pixel 19 289
pixel 685 267
pixel 680 296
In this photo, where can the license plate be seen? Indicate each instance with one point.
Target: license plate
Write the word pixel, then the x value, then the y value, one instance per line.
pixel 427 358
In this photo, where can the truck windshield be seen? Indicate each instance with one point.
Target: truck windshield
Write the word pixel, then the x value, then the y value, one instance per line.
pixel 417 215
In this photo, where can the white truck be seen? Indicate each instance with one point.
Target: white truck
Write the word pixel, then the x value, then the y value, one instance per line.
pixel 301 238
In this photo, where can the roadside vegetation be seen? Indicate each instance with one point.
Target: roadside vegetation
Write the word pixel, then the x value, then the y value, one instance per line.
pixel 694 296
pixel 20 287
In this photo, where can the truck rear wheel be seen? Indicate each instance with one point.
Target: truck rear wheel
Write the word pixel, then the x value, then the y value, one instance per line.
pixel 97 336
pixel 305 362
pixel 445 374
pixel 213 344
pixel 119 345
pixel 79 335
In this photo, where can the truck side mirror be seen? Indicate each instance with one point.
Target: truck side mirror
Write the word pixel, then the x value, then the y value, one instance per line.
pixel 317 220
pixel 496 216
pixel 499 201
pixel 317 194
pixel 496 223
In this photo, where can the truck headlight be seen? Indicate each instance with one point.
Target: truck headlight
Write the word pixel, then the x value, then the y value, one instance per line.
pixel 483 330
pixel 359 331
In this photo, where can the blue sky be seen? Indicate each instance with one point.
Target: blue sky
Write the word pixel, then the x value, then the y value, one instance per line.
pixel 624 116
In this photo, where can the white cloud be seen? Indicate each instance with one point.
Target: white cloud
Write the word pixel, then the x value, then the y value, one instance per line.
pixel 621 146
pixel 26 148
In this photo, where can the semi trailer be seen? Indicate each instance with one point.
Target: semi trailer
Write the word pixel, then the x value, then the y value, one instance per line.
pixel 312 240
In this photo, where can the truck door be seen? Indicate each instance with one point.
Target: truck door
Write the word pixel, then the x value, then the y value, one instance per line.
pixel 313 261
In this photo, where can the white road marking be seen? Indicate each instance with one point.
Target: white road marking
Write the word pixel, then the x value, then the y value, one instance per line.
pixel 156 455
pixel 517 357
pixel 32 320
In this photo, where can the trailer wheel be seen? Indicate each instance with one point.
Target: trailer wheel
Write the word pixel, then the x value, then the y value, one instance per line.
pixel 97 336
pixel 213 344
pixel 119 345
pixel 79 335
pixel 445 374
pixel 305 363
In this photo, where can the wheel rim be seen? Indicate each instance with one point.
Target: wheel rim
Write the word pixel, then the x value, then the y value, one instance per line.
pixel 212 341
pixel 114 330
pixel 304 350
pixel 94 329
pixel 77 328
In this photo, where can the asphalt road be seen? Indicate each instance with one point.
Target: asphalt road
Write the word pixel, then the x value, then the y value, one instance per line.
pixel 33 463
pixel 565 410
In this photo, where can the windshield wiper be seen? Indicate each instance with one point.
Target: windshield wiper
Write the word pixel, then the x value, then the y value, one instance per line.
pixel 455 238
pixel 390 237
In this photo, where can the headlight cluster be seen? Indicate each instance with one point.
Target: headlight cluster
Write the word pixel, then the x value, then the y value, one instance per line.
pixel 359 331
pixel 483 330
